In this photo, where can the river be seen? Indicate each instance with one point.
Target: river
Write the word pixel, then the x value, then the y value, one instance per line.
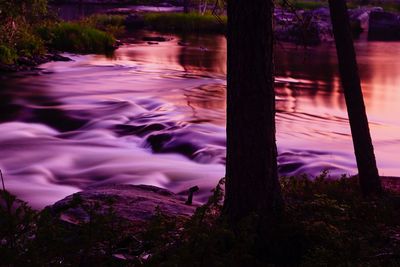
pixel 155 114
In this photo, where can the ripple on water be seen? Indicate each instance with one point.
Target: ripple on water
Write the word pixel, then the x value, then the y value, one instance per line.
pixel 156 115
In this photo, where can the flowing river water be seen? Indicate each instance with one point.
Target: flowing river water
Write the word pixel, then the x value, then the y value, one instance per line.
pixel 155 114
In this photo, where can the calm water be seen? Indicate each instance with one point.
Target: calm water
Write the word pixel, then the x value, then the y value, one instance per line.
pixel 155 114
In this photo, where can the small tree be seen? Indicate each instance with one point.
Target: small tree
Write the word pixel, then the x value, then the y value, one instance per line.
pixel 368 172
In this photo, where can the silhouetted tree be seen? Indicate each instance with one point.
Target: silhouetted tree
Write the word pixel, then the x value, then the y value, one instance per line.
pixel 251 167
pixel 368 172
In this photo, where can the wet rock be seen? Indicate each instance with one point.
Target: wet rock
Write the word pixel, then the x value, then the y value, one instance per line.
pixel 384 26
pixel 140 130
pixel 158 141
pixel 30 63
pixel 181 43
pixel 135 204
pixel 156 39
pixel 360 17
pixel 305 27
pixel 314 26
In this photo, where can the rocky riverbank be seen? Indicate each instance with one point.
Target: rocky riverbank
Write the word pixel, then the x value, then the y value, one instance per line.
pixel 126 225
pixel 310 27
pixel 30 63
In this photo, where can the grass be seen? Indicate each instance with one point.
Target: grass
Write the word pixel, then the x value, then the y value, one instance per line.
pixel 303 4
pixel 326 223
pixel 112 24
pixel 180 22
pixel 77 38
pixel 28 30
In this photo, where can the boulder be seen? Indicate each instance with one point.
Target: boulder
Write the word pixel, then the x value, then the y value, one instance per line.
pixel 384 26
pixel 31 63
pixel 135 204
pixel 306 27
pixel 156 39
pixel 314 26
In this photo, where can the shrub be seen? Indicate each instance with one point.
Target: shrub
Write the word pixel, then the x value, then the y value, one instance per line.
pixel 303 4
pixel 112 24
pixel 192 22
pixel 78 38
pixel 29 44
pixel 326 223
pixel 7 55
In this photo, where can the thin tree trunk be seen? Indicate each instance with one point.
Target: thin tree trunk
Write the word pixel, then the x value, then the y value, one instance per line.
pixel 251 167
pixel 368 172
pixel 205 7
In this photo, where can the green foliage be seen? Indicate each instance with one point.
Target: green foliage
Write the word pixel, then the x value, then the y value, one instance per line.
pixel 29 44
pixel 17 228
pixel 27 30
pixel 91 242
pixel 192 22
pixel 17 22
pixel 112 24
pixel 340 227
pixel 326 223
pixel 302 4
pixel 31 11
pixel 78 38
pixel 7 55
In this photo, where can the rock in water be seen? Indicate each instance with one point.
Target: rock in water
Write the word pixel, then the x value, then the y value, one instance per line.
pixel 384 26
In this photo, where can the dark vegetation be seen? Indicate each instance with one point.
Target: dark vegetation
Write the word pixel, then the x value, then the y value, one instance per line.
pixel 325 223
pixel 321 223
pixel 76 37
pixel 387 5
pixel 186 22
pixel 29 30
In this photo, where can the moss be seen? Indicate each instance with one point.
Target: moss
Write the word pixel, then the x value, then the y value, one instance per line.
pixel 77 38
pixel 192 22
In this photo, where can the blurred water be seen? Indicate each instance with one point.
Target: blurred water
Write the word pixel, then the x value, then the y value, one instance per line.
pixel 155 114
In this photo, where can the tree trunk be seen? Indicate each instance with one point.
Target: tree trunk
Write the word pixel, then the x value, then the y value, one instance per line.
pixel 368 172
pixel 251 166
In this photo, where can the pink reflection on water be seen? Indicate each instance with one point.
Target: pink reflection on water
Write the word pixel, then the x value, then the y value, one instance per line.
pixel 155 114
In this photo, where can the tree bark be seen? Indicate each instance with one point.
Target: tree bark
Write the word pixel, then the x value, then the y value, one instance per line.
pixel 368 172
pixel 252 184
